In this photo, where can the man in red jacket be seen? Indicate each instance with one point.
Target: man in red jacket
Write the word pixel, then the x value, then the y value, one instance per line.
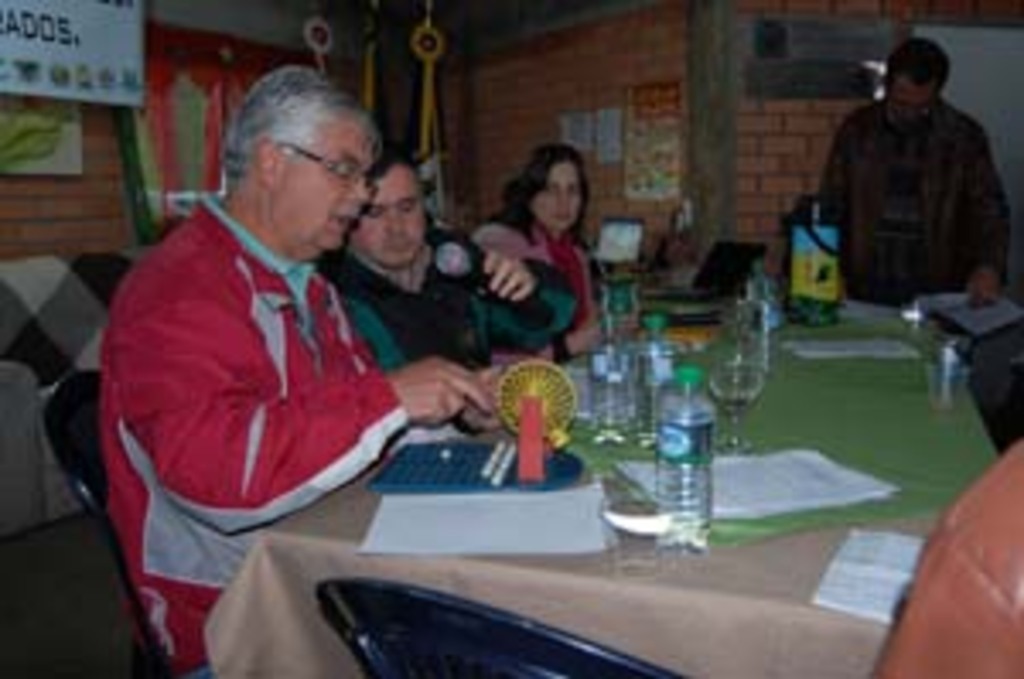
pixel 234 389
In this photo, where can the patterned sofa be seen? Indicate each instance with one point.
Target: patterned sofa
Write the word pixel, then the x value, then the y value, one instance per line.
pixel 53 310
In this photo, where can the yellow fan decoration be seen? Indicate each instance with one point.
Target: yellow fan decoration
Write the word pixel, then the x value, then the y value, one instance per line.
pixel 548 382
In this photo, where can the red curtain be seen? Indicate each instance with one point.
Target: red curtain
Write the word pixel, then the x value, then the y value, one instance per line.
pixel 222 67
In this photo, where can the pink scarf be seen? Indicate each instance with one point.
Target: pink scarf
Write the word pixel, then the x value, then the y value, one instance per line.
pixel 565 258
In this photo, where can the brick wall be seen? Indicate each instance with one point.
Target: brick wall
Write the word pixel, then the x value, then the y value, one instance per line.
pixel 517 95
pixel 40 215
pixel 781 144
pixel 510 101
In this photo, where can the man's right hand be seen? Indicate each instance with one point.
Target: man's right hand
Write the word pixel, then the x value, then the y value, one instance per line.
pixel 434 390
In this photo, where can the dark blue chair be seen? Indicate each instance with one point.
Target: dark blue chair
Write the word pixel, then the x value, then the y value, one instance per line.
pixel 72 425
pixel 400 631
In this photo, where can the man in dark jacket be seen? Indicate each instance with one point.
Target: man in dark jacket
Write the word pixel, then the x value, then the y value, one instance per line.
pixel 415 291
pixel 924 207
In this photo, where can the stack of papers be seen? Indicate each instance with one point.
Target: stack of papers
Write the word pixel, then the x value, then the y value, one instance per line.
pixel 851 348
pixel 779 483
pixel 555 522
pixel 869 574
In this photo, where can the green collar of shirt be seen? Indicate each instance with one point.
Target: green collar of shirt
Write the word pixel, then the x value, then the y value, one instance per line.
pixel 296 274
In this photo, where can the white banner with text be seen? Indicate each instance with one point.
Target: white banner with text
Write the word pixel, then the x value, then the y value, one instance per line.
pixel 86 50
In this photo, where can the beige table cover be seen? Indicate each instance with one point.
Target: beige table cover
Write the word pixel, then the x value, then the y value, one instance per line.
pixel 738 612
pixel 742 611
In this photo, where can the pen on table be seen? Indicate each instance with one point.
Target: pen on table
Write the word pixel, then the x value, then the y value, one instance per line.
pixel 492 460
pixel 501 473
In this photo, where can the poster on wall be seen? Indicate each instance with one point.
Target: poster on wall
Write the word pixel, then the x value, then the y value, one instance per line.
pixel 608 135
pixel 576 128
pixel 652 138
pixel 40 136
pixel 85 50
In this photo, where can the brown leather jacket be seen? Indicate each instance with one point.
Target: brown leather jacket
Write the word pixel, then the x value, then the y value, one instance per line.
pixel 964 208
pixel 965 614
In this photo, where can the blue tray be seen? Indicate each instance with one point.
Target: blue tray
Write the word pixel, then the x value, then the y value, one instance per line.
pixel 427 468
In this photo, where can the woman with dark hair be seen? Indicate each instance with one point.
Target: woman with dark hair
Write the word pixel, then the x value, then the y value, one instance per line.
pixel 542 218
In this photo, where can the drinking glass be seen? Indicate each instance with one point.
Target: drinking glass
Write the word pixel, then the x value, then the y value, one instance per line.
pixel 634 521
pixel 748 333
pixel 735 382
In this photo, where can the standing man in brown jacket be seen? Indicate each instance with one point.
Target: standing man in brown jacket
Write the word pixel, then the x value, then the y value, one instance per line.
pixel 924 207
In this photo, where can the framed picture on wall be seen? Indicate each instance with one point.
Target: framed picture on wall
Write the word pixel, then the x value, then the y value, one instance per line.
pixel 653 156
pixel 40 136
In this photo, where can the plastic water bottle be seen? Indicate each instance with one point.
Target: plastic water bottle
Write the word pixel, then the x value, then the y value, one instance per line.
pixel 612 389
pixel 654 370
pixel 685 434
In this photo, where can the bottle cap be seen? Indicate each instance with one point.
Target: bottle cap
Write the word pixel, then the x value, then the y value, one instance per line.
pixel 688 375
pixel 655 322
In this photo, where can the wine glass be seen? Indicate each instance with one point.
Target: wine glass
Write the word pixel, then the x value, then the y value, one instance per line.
pixel 736 382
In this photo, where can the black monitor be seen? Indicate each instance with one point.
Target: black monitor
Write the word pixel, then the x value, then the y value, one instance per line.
pixel 726 267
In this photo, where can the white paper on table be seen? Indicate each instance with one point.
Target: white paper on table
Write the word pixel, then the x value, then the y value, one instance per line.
pixel 757 486
pixel 851 348
pixel 856 310
pixel 509 522
pixel 869 574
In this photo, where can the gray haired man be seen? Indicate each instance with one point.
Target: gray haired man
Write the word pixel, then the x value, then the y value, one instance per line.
pixel 234 389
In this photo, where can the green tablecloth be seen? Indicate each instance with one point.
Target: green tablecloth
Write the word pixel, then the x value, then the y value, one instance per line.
pixel 869 414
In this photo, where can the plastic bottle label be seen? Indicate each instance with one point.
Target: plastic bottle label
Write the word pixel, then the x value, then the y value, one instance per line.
pixel 661 368
pixel 685 443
